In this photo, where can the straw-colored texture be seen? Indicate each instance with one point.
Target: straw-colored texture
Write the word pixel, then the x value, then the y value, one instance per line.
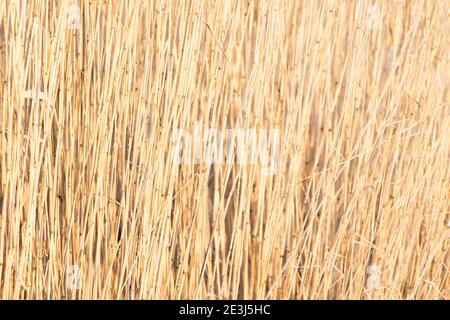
pixel 93 205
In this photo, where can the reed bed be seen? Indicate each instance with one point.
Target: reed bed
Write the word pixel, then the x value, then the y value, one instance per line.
pixel 93 205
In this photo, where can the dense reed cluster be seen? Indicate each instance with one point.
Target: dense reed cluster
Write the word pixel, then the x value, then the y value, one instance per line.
pixel 356 204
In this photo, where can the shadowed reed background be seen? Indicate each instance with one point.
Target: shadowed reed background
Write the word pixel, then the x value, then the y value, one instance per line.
pixel 92 205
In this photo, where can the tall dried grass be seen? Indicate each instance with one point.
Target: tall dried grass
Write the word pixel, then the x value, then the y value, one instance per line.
pixel 358 207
